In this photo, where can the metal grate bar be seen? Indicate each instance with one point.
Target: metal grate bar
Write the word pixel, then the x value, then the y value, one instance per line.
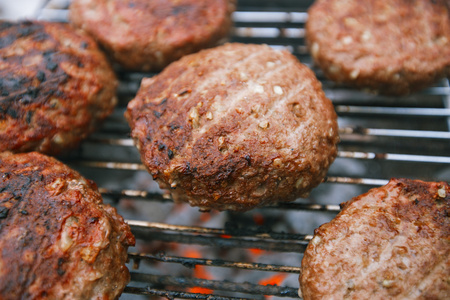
pixel 222 232
pixel 140 194
pixel 247 18
pixel 246 287
pixel 360 181
pixel 338 95
pixel 192 262
pixel 175 295
pixel 396 111
pixel 113 165
pixel 395 157
pixel 400 133
pixel 220 242
pixel 295 25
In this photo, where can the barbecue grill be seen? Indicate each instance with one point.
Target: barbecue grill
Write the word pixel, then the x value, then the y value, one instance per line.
pixel 381 137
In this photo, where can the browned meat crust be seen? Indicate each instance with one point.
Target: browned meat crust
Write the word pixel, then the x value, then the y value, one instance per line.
pixel 57 239
pixel 148 35
pixel 235 127
pixel 390 243
pixel 389 47
pixel 55 87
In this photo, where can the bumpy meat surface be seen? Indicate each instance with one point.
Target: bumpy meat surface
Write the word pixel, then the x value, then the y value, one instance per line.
pixel 55 87
pixel 148 35
pixel 388 47
pixel 57 239
pixel 390 243
pixel 235 127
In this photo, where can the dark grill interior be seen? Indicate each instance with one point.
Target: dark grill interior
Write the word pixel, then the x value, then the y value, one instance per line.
pixel 381 138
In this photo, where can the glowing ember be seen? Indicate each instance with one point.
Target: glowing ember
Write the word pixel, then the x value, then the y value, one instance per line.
pixel 199 271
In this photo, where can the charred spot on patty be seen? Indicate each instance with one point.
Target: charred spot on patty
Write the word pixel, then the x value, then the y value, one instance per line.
pixel 37 78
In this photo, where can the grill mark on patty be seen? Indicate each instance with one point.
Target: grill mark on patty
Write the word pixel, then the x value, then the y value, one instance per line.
pixel 223 108
pixel 278 105
pixel 218 76
pixel 432 276
pixel 221 74
pixel 220 150
pixel 140 42
pixel 26 29
pixel 21 88
pixel 180 116
pixel 385 251
pixel 226 106
pixel 55 87
pixel 379 45
pixel 266 101
pixel 384 227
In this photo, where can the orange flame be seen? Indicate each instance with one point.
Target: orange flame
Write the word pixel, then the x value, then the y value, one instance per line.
pixel 199 272
pixel 276 279
pixel 256 252
pixel 258 219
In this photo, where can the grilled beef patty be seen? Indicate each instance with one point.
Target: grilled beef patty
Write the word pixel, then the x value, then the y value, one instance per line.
pixel 55 87
pixel 235 127
pixel 148 35
pixel 390 243
pixel 57 239
pixel 388 47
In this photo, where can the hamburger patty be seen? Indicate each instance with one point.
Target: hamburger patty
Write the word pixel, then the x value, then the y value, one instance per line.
pixel 55 87
pixel 57 239
pixel 390 243
pixel 235 127
pixel 390 47
pixel 148 35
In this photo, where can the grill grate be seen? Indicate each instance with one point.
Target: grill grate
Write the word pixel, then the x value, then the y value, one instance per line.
pixel 381 137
